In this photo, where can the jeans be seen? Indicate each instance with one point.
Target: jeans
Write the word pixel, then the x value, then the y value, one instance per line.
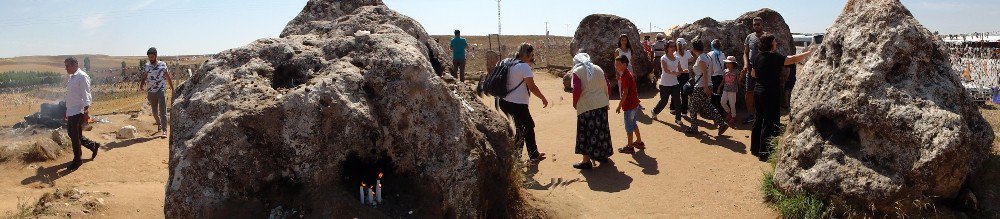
pixel 75 131
pixel 158 105
pixel 669 94
pixel 717 97
pixel 459 70
pixel 524 124
pixel 684 79
pixel 766 124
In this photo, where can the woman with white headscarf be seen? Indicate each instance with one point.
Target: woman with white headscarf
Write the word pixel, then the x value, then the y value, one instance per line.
pixel 590 98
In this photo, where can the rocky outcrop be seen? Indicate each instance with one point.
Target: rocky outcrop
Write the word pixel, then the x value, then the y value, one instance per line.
pixel 878 117
pixel 733 33
pixel 598 34
pixel 293 125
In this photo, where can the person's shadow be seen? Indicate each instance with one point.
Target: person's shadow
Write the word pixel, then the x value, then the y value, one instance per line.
pixel 126 143
pixel 531 183
pixel 49 175
pixel 649 164
pixel 722 141
pixel 607 178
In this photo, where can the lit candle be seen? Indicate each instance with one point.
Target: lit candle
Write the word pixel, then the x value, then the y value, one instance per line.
pixel 362 193
pixel 378 188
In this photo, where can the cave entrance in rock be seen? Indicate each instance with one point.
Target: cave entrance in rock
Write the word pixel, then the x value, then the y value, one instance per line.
pixel 288 76
pixel 401 191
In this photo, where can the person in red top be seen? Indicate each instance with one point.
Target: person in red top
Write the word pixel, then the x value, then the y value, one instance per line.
pixel 630 103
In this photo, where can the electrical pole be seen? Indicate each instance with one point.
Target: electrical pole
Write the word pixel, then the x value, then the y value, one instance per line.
pixel 500 43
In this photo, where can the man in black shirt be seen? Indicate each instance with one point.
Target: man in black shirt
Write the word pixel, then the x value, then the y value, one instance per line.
pixel 767 93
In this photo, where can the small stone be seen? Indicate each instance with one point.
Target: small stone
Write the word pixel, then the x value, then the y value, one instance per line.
pixel 126 132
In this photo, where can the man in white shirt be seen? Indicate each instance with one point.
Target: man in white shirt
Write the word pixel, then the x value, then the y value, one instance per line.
pixel 78 100
pixel 520 81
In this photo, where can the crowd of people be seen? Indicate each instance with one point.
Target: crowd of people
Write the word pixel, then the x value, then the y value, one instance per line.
pixel 695 79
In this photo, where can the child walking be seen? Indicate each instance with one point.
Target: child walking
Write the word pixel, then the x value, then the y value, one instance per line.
pixel 730 85
pixel 630 103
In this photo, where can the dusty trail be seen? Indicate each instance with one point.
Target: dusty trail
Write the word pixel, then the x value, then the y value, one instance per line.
pixel 676 176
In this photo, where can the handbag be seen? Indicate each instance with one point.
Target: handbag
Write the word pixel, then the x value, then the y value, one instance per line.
pixel 688 87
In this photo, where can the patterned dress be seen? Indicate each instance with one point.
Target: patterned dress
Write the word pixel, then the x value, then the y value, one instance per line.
pixel 593 135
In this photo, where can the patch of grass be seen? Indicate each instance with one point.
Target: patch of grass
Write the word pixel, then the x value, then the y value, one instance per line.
pixel 25 209
pixel 796 204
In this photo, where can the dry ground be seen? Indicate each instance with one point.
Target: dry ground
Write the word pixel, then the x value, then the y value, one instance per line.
pixel 133 171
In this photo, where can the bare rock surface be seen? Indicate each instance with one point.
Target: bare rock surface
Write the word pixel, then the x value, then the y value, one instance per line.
pixel 879 119
pixel 598 34
pixel 293 125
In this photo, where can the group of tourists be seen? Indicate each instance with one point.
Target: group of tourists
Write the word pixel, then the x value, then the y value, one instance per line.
pixel 695 79
pixel 79 99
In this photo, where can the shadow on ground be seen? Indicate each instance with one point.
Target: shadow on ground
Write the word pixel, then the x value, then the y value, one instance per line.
pixel 49 175
pixel 126 143
pixel 607 178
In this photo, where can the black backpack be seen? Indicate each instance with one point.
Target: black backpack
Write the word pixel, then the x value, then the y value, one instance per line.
pixel 495 83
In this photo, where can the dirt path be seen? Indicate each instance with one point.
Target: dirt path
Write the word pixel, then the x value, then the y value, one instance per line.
pixel 676 176
pixel 133 171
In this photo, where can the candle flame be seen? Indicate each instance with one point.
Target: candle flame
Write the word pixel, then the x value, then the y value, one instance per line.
pixel 379 175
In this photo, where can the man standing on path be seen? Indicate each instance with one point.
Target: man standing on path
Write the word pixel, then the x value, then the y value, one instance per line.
pixel 157 77
pixel 78 101
pixel 458 48
pixel 750 51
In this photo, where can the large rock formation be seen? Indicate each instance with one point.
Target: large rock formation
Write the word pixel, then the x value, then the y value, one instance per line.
pixel 290 126
pixel 878 117
pixel 598 35
pixel 733 33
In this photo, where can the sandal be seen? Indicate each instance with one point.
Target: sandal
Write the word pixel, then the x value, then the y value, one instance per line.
pixel 584 166
pixel 626 150
pixel 640 145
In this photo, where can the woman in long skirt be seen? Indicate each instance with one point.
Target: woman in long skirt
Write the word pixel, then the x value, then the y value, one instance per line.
pixel 590 98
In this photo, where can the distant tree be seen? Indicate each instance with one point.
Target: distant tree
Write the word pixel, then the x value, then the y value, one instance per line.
pixel 142 62
pixel 86 63
pixel 123 64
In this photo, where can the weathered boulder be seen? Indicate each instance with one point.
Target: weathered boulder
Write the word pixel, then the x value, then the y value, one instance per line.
pixel 293 125
pixel 598 34
pixel 126 132
pixel 878 117
pixel 733 33
pixel 60 137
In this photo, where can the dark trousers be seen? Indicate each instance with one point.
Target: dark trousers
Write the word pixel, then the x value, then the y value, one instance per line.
pixel 524 124
pixel 75 131
pixel 459 70
pixel 766 124
pixel 717 96
pixel 684 79
pixel 669 94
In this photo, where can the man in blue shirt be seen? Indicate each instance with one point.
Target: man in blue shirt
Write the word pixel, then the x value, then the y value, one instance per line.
pixel 458 47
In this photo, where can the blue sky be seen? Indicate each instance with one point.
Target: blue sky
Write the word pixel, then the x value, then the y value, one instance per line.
pixel 175 27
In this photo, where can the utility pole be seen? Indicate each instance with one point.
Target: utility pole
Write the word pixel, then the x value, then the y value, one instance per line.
pixel 499 42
